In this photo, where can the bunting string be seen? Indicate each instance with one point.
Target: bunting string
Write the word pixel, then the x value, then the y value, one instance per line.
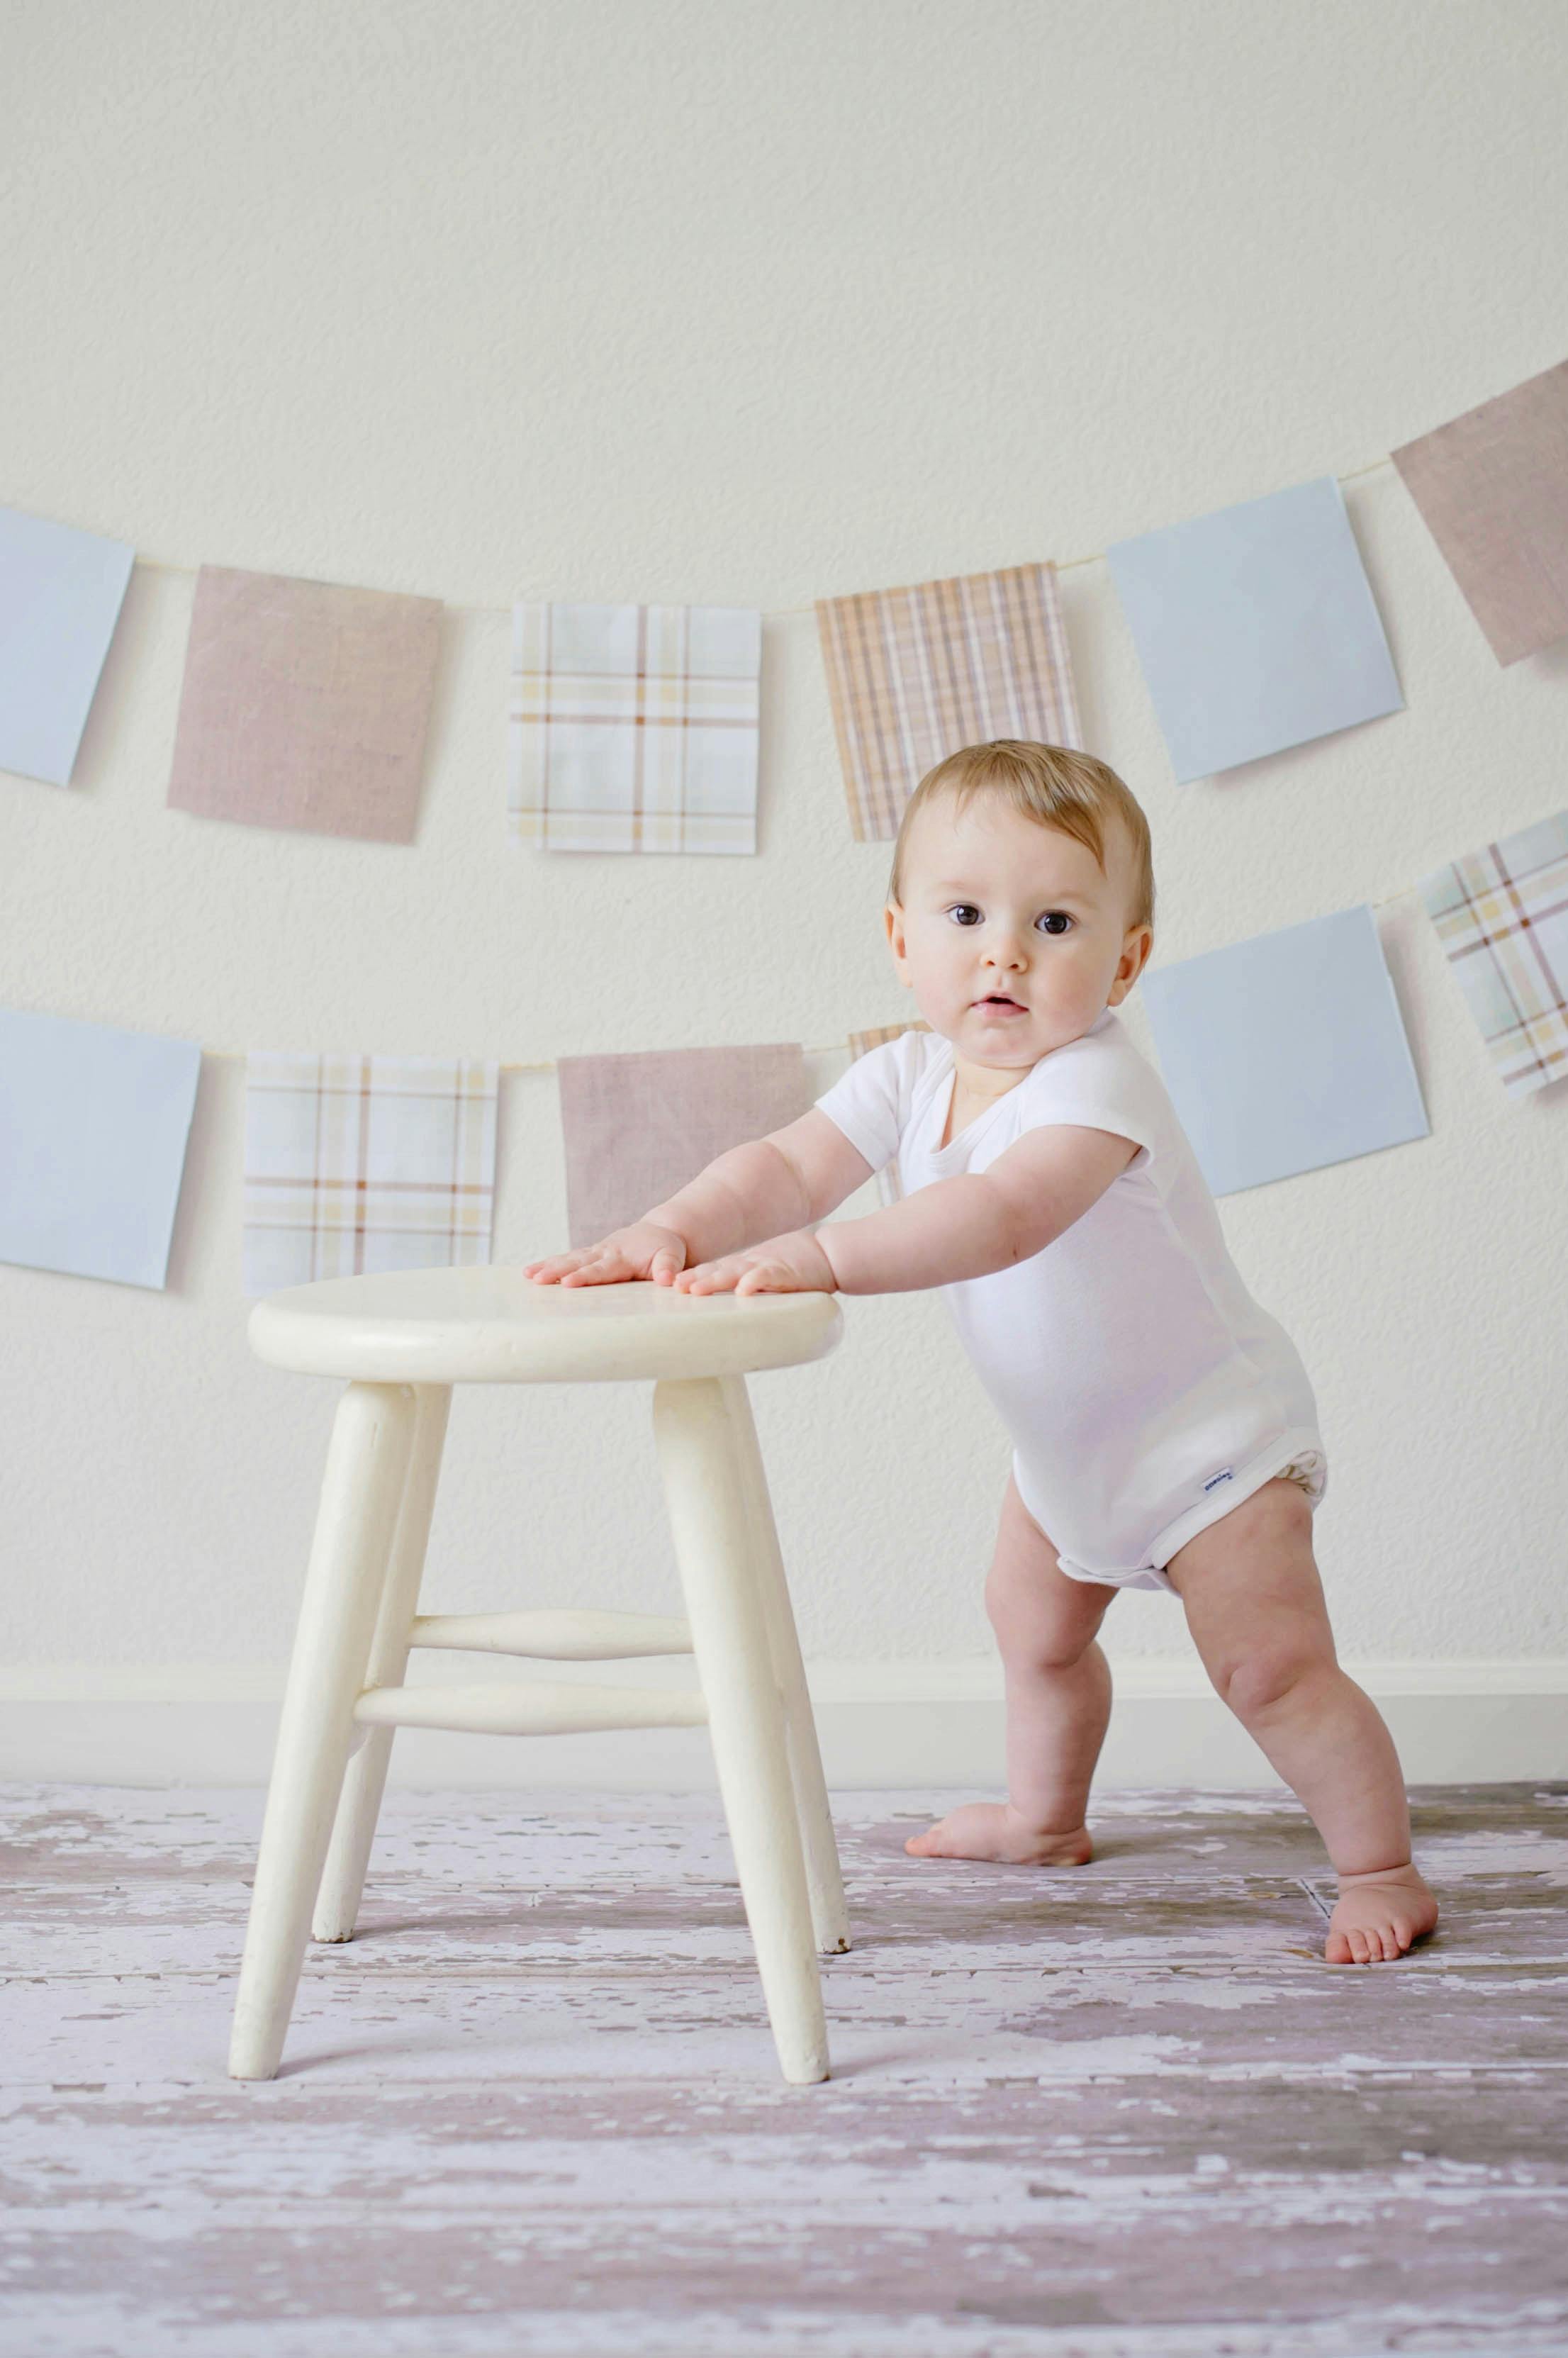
pixel 769 613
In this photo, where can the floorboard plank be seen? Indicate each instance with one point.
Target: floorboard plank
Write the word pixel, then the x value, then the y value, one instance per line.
pixel 1126 2112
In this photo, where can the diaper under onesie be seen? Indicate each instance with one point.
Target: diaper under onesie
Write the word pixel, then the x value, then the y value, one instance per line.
pixel 1145 1391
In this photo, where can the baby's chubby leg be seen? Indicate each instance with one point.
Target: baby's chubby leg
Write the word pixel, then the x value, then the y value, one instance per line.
pixel 1255 1606
pixel 1059 1705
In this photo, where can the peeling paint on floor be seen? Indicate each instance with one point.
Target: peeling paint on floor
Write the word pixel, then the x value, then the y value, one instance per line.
pixel 1124 2111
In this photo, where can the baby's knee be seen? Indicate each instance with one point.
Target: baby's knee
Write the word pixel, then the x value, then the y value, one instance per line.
pixel 1255 1679
pixel 1030 1635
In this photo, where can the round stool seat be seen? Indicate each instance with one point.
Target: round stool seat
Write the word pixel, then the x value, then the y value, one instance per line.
pixel 493 1326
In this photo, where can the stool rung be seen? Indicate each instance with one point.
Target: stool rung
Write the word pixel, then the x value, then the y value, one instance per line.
pixel 538 1708
pixel 555 1637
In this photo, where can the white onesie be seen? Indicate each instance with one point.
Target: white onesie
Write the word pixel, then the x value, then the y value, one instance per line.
pixel 1146 1391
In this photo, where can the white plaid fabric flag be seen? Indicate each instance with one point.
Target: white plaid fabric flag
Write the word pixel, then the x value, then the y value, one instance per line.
pixel 1502 917
pixel 356 1163
pixel 860 1044
pixel 635 727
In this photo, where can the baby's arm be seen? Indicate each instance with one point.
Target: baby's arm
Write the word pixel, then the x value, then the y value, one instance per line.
pixel 787 1180
pixel 982 1220
pixel 954 1228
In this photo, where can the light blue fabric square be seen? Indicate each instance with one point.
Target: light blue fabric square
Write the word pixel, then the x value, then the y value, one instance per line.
pixel 1286 1052
pixel 60 594
pixel 94 1127
pixel 1256 628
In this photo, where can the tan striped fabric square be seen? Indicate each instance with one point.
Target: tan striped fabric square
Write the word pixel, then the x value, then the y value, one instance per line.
pixel 915 674
pixel 356 1163
pixel 636 1127
pixel 635 727
pixel 305 704
pixel 860 1044
pixel 1492 487
pixel 1502 917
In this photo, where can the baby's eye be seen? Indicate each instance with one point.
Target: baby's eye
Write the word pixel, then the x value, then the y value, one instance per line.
pixel 1055 921
pixel 963 911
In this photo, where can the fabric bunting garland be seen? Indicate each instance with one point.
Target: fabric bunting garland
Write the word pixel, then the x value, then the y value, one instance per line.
pixel 635 729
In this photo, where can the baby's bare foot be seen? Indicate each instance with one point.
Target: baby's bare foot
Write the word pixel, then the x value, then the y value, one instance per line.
pixel 994 1829
pixel 1378 1916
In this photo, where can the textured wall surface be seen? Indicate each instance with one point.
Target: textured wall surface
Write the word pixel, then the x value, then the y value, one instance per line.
pixel 748 304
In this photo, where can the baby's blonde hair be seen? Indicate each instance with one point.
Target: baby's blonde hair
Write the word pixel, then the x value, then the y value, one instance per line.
pixel 1054 785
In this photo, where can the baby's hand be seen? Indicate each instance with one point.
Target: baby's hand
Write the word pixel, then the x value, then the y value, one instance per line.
pixel 794 1263
pixel 644 1250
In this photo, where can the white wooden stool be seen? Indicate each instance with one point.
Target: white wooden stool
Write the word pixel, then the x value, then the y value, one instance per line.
pixel 401 1342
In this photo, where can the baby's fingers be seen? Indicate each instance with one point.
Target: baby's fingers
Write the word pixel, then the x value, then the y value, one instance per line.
pixel 551 1270
pixel 600 1268
pixel 768 1277
pixel 589 1265
pixel 708 1276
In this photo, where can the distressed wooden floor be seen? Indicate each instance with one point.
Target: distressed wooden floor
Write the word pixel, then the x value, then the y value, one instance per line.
pixel 1125 2112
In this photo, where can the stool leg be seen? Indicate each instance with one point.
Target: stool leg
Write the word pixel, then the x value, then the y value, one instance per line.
pixel 830 1918
pixel 707 1494
pixel 366 1462
pixel 343 1876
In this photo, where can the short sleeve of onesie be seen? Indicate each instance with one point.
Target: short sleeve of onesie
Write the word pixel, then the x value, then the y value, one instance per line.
pixel 1100 1082
pixel 871 1102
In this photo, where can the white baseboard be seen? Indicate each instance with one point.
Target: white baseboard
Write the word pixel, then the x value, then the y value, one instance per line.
pixel 882 1725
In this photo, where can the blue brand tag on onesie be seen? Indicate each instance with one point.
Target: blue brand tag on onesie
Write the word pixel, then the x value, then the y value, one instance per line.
pixel 1225 1474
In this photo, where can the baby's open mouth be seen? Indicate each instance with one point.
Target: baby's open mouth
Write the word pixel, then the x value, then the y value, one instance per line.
pixel 998 1000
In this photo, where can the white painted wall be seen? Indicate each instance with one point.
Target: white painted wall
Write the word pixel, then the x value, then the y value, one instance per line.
pixel 719 302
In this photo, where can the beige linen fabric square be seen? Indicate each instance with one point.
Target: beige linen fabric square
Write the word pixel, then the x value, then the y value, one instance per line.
pixel 1493 489
pixel 638 1126
pixel 913 675
pixel 357 1163
pixel 306 704
pixel 860 1043
pixel 635 727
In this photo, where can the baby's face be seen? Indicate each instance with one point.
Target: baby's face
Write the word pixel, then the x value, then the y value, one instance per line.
pixel 997 907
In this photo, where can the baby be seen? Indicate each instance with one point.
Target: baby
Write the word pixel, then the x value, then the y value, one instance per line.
pixel 1164 1430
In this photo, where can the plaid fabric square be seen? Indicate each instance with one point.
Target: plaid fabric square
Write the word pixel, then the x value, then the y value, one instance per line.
pixel 860 1044
pixel 915 674
pixel 357 1163
pixel 638 1125
pixel 1501 915
pixel 635 728
pixel 1492 487
pixel 305 704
